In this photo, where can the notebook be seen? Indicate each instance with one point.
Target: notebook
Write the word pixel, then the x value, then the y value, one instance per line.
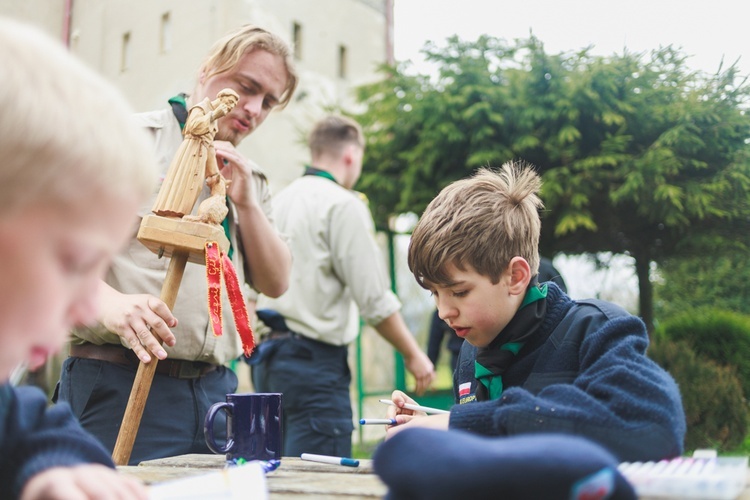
pixel 704 475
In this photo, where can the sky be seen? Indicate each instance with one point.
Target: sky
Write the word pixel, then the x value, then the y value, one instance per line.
pixel 705 30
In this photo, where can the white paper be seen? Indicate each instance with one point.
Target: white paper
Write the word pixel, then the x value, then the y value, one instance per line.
pixel 241 482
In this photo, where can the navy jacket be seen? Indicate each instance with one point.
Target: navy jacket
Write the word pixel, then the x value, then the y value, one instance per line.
pixel 35 437
pixel 585 374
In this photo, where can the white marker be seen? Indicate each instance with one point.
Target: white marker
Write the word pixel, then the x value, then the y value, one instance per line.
pixel 325 459
pixel 414 407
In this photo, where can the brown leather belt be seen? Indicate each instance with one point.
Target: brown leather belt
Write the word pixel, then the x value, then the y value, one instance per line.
pixel 120 355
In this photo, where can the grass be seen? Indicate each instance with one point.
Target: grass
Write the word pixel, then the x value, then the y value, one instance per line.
pixel 365 449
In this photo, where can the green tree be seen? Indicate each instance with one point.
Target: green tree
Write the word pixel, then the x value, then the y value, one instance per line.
pixel 639 155
pixel 696 281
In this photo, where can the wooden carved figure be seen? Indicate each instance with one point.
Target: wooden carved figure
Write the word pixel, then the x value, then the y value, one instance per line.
pixel 195 162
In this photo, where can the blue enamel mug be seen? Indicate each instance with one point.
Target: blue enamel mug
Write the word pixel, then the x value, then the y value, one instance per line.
pixel 253 426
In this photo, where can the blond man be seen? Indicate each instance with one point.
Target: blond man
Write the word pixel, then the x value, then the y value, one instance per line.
pixel 191 373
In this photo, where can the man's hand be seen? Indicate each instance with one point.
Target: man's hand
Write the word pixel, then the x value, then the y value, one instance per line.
pixel 83 482
pixel 423 370
pixel 394 330
pixel 140 319
pixel 237 170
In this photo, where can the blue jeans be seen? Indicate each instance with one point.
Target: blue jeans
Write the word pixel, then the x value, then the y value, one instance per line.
pixel 172 422
pixel 314 379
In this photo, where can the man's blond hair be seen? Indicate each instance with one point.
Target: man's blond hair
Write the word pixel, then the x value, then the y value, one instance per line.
pixel 65 132
pixel 227 52
pixel 483 222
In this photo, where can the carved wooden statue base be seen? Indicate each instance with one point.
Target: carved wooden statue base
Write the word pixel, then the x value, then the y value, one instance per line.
pixel 166 235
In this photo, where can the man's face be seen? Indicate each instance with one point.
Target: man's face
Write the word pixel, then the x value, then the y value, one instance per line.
pixel 260 79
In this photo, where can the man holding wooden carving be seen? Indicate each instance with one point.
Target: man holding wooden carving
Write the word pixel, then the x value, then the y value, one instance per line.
pixel 190 375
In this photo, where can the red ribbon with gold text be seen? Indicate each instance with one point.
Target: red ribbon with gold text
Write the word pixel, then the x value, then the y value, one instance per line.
pixel 218 265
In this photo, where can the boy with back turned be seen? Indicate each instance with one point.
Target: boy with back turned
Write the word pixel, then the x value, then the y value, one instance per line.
pixel 534 360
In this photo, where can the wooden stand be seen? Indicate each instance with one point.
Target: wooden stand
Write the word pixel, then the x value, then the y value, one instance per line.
pixel 182 241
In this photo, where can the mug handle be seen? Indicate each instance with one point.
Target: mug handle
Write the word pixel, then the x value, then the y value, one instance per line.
pixel 208 428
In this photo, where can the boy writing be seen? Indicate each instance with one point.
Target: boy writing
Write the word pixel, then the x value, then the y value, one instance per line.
pixel 534 360
pixel 74 169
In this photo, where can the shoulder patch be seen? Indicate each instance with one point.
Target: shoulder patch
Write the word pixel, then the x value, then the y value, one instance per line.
pixel 467 399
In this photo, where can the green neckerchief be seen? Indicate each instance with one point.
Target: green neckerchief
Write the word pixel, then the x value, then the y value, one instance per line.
pixel 179 108
pixel 320 173
pixel 493 360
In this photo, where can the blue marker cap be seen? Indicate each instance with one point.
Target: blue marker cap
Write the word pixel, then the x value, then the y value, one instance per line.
pixel 351 462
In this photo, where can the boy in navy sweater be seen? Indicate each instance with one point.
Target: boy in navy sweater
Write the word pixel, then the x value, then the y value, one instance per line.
pixel 534 360
pixel 73 170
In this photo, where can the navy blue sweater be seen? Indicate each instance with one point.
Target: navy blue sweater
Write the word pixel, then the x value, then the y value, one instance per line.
pixel 35 437
pixel 585 374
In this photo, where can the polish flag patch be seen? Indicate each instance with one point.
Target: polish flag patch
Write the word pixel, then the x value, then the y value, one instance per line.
pixel 464 389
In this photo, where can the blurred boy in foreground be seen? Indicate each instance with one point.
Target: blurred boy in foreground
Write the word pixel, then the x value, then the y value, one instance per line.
pixel 74 169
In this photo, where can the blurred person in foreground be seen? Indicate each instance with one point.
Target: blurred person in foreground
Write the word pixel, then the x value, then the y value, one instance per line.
pixel 74 169
pixel 337 275
pixel 191 373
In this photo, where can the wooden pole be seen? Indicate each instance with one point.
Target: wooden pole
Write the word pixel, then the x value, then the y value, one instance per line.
pixel 145 375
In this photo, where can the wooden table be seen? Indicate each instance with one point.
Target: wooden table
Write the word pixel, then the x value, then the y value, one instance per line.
pixel 295 478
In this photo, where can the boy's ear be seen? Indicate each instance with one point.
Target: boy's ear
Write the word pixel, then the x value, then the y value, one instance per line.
pixel 520 275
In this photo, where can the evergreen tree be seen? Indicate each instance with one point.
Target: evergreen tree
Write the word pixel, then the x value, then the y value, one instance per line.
pixel 639 155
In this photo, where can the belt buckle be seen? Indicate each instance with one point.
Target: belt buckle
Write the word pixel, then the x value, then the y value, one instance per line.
pixel 187 370
pixel 281 335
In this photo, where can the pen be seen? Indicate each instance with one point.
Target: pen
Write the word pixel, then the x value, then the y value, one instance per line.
pixel 410 406
pixel 375 421
pixel 325 459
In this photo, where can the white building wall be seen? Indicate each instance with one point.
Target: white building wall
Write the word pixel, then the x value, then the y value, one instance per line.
pixel 155 68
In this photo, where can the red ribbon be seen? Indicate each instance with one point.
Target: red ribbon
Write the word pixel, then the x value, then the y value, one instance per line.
pixel 218 265
pixel 213 277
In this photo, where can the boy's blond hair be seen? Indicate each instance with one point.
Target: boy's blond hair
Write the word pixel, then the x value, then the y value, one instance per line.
pixel 483 222
pixel 64 131
pixel 331 134
pixel 227 52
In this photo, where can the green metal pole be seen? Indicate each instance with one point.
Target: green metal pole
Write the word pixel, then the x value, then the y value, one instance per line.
pixel 360 380
pixel 400 374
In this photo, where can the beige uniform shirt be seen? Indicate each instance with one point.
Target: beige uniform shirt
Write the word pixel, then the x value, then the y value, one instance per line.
pixel 338 271
pixel 138 270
